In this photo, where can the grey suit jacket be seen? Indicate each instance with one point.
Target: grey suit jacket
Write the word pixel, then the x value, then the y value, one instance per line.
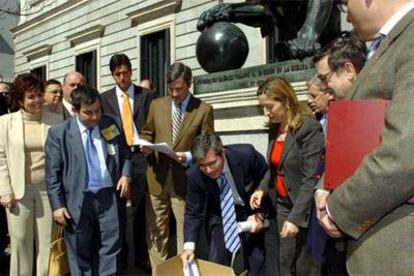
pixel 300 159
pixel 385 178
pixel 66 169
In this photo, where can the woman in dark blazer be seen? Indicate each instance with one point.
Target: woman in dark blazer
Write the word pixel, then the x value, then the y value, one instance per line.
pixel 296 143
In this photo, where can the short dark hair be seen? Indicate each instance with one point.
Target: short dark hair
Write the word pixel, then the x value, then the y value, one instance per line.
pixel 84 95
pixel 118 60
pixel 179 70
pixel 52 81
pixel 346 48
pixel 24 83
pixel 205 142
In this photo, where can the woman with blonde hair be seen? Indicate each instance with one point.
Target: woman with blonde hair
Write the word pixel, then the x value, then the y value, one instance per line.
pixel 296 142
pixel 22 176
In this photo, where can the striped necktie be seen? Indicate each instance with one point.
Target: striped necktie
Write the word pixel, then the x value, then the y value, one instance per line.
pixel 176 121
pixel 228 214
pixel 375 45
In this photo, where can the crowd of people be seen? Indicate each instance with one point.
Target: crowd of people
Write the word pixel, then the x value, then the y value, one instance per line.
pixel 73 157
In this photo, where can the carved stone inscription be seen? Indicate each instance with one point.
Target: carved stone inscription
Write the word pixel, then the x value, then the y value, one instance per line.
pixel 253 76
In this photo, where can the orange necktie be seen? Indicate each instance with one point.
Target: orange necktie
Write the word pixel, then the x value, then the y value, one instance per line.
pixel 127 120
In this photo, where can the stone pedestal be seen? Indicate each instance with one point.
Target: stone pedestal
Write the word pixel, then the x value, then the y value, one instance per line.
pixel 238 117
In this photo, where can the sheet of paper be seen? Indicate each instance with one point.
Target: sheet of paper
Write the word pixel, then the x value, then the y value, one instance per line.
pixel 161 147
pixel 191 269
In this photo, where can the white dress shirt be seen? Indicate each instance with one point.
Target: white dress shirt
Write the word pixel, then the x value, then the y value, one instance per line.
pixel 97 141
pixel 68 107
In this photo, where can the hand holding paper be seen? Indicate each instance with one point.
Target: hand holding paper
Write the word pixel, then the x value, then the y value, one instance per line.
pixel 161 147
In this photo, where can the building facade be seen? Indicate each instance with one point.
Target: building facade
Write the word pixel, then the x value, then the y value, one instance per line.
pixel 58 36
pixel 8 19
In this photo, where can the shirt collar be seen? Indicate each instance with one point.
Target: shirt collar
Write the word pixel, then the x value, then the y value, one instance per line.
pixel 184 103
pixel 393 21
pixel 82 127
pixel 130 91
pixel 68 106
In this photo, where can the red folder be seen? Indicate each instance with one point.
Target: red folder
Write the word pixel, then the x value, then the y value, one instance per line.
pixel 354 130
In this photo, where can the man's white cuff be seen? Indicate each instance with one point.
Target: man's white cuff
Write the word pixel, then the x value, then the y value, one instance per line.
pixel 189 246
pixel 188 158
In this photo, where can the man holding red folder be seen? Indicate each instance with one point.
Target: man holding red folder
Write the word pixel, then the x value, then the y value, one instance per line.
pixel 337 64
pixel 372 206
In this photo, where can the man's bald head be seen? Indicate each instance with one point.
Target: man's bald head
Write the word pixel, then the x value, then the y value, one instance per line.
pixel 368 17
pixel 71 81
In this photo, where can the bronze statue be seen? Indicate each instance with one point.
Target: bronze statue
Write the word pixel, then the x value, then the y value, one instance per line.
pixel 298 25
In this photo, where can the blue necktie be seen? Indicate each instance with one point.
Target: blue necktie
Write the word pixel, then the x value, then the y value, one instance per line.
pixel 92 160
pixel 375 45
pixel 228 214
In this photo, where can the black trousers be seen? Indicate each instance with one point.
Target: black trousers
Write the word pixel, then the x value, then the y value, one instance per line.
pixel 293 259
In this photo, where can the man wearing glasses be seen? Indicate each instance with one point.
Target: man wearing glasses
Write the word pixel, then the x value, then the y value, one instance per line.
pixel 338 64
pixel 318 100
pixel 375 206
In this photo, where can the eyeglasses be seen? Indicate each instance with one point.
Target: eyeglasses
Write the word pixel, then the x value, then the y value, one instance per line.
pixel 342 5
pixel 325 78
pixel 211 165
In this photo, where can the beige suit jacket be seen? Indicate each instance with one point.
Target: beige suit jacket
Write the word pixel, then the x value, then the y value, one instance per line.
pixel 12 154
pixel 198 118
pixel 370 205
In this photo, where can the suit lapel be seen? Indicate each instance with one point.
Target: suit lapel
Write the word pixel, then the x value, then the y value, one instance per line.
pixel 166 105
pixel 114 100
pixel 189 116
pixel 273 130
pixel 289 142
pixel 137 101
pixel 385 45
pixel 76 143
pixel 236 173
pixel 18 134
pixel 104 145
pixel 49 119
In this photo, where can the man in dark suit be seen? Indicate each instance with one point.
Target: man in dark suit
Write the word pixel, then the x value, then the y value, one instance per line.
pixel 219 188
pixel 338 65
pixel 87 170
pixel 131 103
pixel 373 206
pixel 71 81
pixel 176 120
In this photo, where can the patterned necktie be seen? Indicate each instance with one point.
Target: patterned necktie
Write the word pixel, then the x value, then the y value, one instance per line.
pixel 127 123
pixel 375 45
pixel 176 121
pixel 92 161
pixel 228 214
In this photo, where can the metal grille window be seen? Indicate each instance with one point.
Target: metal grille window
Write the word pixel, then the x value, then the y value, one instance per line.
pixel 155 59
pixel 86 65
pixel 40 72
